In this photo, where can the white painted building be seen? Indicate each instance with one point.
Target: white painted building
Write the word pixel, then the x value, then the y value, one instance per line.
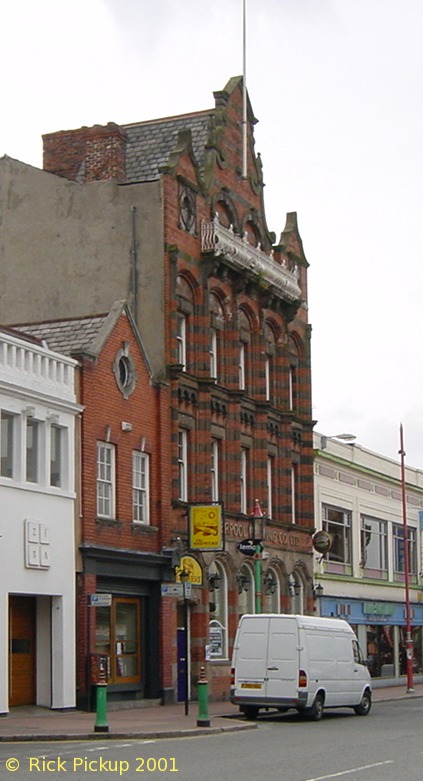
pixel 359 503
pixel 37 524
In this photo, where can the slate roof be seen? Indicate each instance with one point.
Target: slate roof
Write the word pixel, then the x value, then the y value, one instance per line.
pixel 149 144
pixel 75 336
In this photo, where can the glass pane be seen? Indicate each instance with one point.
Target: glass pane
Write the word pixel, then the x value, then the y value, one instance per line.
pixel 55 455
pixel 6 444
pixel 102 631
pixel 32 451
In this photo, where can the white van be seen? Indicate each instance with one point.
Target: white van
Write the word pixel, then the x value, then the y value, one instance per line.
pixel 294 661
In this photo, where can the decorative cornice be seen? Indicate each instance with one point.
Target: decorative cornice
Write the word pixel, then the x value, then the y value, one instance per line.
pixel 242 256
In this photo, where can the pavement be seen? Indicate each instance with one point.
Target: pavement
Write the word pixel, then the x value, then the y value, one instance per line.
pixel 32 723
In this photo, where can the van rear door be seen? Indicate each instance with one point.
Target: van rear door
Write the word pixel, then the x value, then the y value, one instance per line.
pixel 282 659
pixel 250 654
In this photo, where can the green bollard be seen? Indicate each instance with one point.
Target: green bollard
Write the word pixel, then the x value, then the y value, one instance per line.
pixel 101 724
pixel 203 712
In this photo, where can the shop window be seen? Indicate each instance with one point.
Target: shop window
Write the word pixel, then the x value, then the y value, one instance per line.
pixel 337 522
pixel 118 639
pixel 374 558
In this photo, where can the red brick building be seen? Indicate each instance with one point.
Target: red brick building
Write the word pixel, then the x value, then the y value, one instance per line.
pixel 163 215
pixel 123 473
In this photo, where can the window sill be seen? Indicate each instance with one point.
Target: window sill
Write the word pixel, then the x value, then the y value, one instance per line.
pixel 143 528
pixel 109 522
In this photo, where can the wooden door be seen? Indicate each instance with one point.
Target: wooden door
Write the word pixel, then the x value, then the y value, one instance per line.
pixel 22 688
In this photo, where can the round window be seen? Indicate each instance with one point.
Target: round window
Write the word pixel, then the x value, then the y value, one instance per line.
pixel 124 371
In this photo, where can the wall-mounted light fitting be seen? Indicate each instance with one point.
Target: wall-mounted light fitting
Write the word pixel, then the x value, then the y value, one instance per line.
pixel 243 582
pixel 214 581
pixel 270 583
pixel 317 590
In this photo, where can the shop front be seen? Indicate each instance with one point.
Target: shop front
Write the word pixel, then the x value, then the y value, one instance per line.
pixel 381 630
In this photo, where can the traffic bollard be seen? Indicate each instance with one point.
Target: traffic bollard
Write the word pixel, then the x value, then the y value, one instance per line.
pixel 101 724
pixel 203 712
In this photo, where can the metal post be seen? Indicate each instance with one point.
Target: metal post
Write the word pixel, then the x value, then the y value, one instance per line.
pixel 186 646
pixel 203 708
pixel 101 724
pixel 408 638
pixel 257 578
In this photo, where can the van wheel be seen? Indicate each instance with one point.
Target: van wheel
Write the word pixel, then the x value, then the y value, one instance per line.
pixel 250 712
pixel 315 713
pixel 366 703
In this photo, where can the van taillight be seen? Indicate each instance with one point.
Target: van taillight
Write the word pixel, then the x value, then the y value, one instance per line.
pixel 232 676
pixel 302 679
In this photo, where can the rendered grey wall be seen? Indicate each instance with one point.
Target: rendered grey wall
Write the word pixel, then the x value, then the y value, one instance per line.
pixel 66 250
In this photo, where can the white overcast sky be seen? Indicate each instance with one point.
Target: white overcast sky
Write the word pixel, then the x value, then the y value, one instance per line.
pixel 337 88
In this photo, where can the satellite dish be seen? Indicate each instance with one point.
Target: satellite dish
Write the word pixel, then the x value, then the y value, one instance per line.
pixel 322 541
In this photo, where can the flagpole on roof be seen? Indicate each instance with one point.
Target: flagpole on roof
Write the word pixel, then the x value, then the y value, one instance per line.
pixel 244 90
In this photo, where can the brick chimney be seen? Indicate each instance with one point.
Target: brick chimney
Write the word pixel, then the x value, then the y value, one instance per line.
pixel 88 154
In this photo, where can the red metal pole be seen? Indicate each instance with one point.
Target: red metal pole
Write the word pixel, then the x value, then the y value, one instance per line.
pixel 408 638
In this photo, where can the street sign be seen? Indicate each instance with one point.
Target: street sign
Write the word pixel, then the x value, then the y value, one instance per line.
pixel 100 600
pixel 176 589
pixel 248 547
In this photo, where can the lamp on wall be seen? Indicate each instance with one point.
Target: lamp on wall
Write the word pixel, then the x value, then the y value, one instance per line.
pixel 294 586
pixel 243 582
pixel 270 583
pixel 214 581
pixel 317 590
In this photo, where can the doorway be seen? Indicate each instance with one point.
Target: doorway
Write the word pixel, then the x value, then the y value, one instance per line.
pixel 22 656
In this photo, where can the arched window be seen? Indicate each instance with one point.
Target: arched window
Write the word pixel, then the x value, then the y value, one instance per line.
pixel 246 590
pixel 185 308
pixel 271 592
pixel 217 322
pixel 244 349
pixel 296 591
pixel 293 375
pixel 269 361
pixel 218 609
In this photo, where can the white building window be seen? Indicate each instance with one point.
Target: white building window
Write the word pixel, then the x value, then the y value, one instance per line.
pixel 242 351
pixel 181 338
pixel 183 465
pixel 105 480
pixel 294 492
pixel 243 480
pixel 270 468
pixel 399 551
pixel 140 487
pixel 32 450
pixel 213 353
pixel 7 444
pixel 57 437
pixel 214 470
pixel 337 522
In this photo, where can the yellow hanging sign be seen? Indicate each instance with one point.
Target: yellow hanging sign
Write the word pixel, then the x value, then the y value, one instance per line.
pixel 192 567
pixel 205 527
